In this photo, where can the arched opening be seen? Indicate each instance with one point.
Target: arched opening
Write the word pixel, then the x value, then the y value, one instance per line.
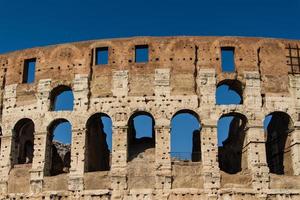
pixel 232 129
pixel 229 92
pixel 278 126
pixel 23 143
pixel 185 136
pixel 99 143
pixel 58 149
pixel 61 98
pixel 141 134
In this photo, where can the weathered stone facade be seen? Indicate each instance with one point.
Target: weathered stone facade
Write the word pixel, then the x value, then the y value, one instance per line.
pixel 182 74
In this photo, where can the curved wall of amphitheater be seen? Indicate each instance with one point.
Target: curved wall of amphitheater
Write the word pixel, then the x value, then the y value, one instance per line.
pixel 182 73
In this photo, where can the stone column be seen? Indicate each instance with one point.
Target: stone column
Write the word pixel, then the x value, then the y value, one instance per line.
pixel 206 82
pixel 254 144
pixel 77 159
pixel 43 101
pixel 256 157
pixel 163 177
pixel 40 158
pixel 81 103
pixel 5 161
pixel 7 140
pixel 209 154
pixel 295 150
pixel 81 92
pixel 119 158
pixel 38 163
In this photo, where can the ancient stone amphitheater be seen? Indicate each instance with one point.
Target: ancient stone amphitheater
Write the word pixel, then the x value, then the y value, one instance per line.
pixel 180 74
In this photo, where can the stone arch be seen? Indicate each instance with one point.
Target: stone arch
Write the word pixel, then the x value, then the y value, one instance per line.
pixel 230 152
pixel 56 93
pixel 137 145
pixel 23 135
pixel 97 151
pixel 65 52
pixel 57 159
pixel 234 95
pixel 188 119
pixel 278 129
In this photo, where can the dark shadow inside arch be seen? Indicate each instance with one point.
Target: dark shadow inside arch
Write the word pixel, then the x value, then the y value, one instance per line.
pixel 231 134
pixel 141 134
pixel 185 136
pixel 24 138
pixel 58 148
pixel 61 98
pixel 98 143
pixel 229 92
pixel 278 126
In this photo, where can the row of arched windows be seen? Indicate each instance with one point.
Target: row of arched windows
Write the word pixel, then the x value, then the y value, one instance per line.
pixel 228 92
pixel 185 141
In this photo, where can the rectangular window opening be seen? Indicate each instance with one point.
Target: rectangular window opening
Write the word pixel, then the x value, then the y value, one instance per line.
pixel 29 70
pixel 141 53
pixel 227 59
pixel 101 56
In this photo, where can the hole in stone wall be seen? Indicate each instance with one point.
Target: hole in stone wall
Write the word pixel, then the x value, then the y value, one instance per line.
pixel 229 92
pixel 141 134
pixel 99 143
pixel 231 133
pixel 278 126
pixel 58 148
pixel 101 56
pixel 185 136
pixel 141 53
pixel 24 140
pixel 29 70
pixel 62 98
pixel 227 54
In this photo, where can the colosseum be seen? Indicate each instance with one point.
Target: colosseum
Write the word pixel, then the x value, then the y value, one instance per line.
pixel 178 75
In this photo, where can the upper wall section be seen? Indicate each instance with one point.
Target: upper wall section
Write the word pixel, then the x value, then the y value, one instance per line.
pixel 274 59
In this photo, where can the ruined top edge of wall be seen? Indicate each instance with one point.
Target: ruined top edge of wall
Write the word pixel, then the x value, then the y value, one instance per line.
pixel 157 39
pixel 183 55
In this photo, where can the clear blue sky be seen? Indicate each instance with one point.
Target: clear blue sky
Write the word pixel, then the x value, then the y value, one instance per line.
pixel 34 22
pixel 31 23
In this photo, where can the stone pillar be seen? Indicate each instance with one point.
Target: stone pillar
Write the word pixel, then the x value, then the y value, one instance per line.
pixel 7 158
pixel 119 158
pixel 162 82
pixel 120 83
pixel 43 94
pixel 206 89
pixel 81 103
pixel 5 161
pixel 252 92
pixel 256 157
pixel 295 137
pixel 254 144
pixel 209 154
pixel 295 150
pixel 38 163
pixel 77 159
pixel 206 82
pixel 162 157
pixel 81 91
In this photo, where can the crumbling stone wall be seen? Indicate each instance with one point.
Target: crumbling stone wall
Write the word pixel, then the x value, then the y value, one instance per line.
pixel 182 73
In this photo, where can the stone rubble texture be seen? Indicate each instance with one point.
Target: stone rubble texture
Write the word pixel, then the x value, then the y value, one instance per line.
pixel 182 73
